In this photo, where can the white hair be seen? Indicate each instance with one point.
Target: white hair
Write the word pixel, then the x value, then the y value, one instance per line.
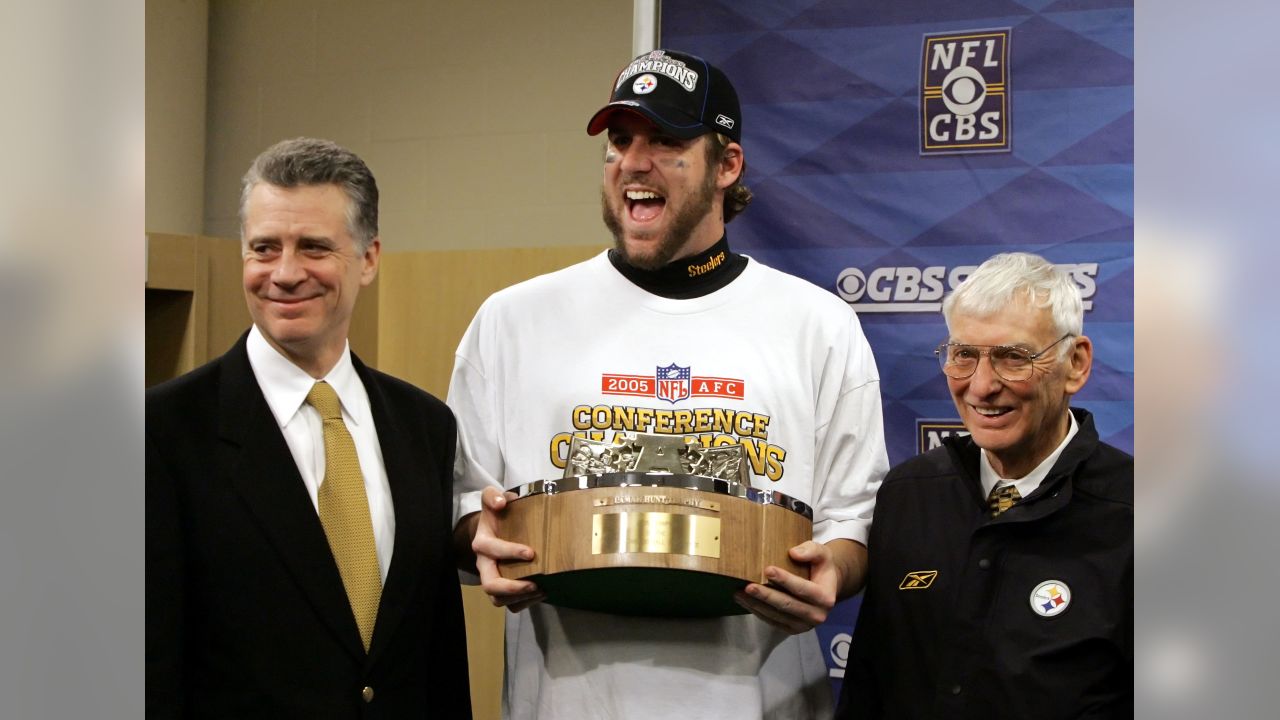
pixel 1012 277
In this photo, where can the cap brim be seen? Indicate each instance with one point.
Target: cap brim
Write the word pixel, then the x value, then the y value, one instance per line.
pixel 685 128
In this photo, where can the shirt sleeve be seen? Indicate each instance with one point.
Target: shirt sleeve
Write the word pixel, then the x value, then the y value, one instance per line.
pixel 850 459
pixel 472 397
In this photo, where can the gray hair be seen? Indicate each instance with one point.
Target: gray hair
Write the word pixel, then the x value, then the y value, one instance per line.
pixel 1011 277
pixel 309 161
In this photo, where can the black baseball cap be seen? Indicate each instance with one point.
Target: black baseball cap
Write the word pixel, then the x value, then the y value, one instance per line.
pixel 683 94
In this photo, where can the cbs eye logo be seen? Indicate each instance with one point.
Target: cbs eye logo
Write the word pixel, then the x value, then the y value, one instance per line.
pixel 838 651
pixel 963 90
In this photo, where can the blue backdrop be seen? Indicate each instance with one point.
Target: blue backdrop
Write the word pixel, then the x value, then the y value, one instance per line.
pixel 831 93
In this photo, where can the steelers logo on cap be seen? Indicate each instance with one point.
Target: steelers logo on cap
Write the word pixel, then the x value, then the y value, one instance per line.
pixel 644 84
pixel 1050 598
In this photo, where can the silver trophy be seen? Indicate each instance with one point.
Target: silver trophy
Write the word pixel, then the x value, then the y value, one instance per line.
pixel 657 454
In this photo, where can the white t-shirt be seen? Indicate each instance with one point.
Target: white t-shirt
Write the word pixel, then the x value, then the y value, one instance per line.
pixel 779 364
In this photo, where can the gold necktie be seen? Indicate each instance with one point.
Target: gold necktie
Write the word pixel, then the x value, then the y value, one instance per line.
pixel 344 513
pixel 1002 498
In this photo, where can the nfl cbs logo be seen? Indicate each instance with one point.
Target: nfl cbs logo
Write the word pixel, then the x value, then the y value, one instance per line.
pixel 964 92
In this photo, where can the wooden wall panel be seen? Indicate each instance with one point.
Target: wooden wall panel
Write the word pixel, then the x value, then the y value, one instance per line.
pixel 171 262
pixel 170 337
pixel 176 299
pixel 363 334
pixel 228 314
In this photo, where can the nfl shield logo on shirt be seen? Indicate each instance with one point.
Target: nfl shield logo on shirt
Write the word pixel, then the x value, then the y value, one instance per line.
pixel 673 383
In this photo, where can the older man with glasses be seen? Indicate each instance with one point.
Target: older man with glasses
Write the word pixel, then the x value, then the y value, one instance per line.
pixel 1001 564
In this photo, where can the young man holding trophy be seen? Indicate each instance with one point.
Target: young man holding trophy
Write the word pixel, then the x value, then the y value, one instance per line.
pixel 671 333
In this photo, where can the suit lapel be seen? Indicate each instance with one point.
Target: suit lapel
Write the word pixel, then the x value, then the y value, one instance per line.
pixel 261 467
pixel 414 505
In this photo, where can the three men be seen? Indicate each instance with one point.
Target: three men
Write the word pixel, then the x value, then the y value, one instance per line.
pixel 1001 564
pixel 671 297
pixel 299 561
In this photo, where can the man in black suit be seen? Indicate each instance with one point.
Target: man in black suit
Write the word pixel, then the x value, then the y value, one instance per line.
pixel 298 502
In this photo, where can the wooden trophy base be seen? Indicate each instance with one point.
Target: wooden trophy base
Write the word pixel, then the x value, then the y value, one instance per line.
pixel 658 545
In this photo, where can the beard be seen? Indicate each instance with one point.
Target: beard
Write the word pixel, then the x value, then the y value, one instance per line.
pixel 678 231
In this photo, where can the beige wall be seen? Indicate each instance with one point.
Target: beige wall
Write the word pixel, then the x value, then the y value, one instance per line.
pixel 472 115
pixel 176 51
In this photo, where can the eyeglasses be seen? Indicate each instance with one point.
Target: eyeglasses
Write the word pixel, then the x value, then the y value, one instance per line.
pixel 1013 364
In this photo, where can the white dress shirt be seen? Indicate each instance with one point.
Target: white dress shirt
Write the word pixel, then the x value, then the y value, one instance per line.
pixel 285 387
pixel 1027 484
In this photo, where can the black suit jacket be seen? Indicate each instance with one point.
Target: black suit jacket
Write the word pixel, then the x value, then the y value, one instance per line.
pixel 246 613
